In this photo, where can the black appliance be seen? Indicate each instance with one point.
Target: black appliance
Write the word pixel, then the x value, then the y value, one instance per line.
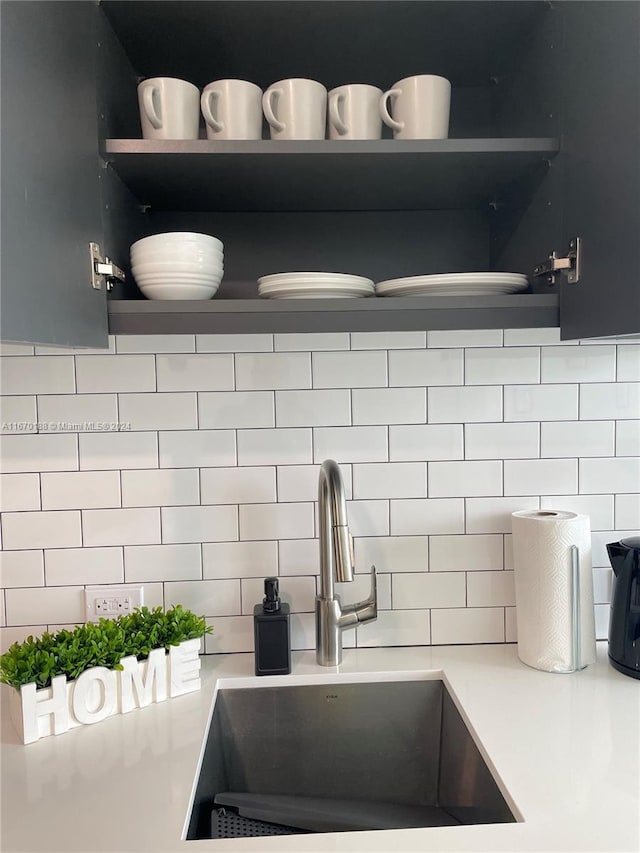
pixel 624 624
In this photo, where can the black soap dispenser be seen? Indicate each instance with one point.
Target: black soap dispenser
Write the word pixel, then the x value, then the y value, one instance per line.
pixel 271 632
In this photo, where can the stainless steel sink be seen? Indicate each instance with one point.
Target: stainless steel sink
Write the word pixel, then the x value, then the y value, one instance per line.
pixel 341 756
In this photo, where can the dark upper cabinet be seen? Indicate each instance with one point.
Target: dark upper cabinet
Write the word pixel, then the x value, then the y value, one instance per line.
pixel 545 130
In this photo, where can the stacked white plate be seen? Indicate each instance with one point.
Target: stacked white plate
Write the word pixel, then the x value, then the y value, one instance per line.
pixel 454 284
pixel 178 265
pixel 314 285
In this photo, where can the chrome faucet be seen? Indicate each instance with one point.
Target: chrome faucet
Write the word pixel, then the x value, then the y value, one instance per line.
pixel 336 559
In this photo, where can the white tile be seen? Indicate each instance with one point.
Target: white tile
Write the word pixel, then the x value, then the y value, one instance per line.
pixel 502 441
pixel 239 559
pixel 578 364
pixel 298 592
pixel 508 551
pixel 627 512
pixel 602 476
pixel 602 582
pixel 274 446
pixel 464 405
pixel 114 373
pixel 465 553
pixel 165 487
pixel 313 408
pixel 350 444
pixel 510 625
pixel 80 490
pixel 9 636
pixel 311 342
pixel 493 515
pixel 396 628
pixel 467 625
pixel 615 400
pixel 231 634
pixel 465 338
pixel 3 619
pixel 490 589
pixel 531 337
pixel 238 485
pixel 360 588
pixel 199 524
pixel 462 479
pixel 303 633
pixel 236 409
pixel 18 415
pixel 234 343
pixel 155 343
pixel 22 530
pixel 159 411
pixel 78 412
pixel 427 516
pixel 15 349
pixel 577 438
pixel 23 453
pixel 426 367
pixel 63 604
pixel 64 350
pixel 390 406
pixel 19 492
pixel 623 340
pixel 195 372
pixel 21 568
pixel 388 340
pixel 205 598
pixel 197 448
pixel 390 480
pixel 628 438
pixel 69 566
pixel 368 518
pixel 599 508
pixel 144 563
pixel 540 402
pixel 120 526
pixel 276 521
pixel 629 364
pixel 541 477
pixel 118 450
pixel 273 371
pixel 392 553
pixel 429 442
pixel 42 374
pixel 350 369
pixel 424 590
pixel 501 366
pixel 602 616
pixel 299 556
pixel 300 482
pixel 599 541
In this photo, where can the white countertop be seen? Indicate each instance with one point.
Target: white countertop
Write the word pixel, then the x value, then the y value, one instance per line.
pixel 566 748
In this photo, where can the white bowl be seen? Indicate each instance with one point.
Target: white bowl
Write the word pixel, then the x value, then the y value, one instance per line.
pixel 209 268
pixel 177 249
pixel 177 257
pixel 179 238
pixel 168 291
pixel 179 280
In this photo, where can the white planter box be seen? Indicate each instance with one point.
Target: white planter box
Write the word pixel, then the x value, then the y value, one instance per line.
pixel 100 692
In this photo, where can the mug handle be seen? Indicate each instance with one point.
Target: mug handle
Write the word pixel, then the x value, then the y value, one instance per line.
pixel 206 103
pixel 384 110
pixel 334 113
pixel 267 106
pixel 150 107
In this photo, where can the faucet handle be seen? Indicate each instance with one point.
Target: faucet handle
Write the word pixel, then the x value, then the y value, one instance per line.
pixel 367 610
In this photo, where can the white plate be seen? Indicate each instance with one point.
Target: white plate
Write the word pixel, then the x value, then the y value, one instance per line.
pixel 318 287
pixel 192 291
pixel 462 277
pixel 309 293
pixel 399 287
pixel 286 277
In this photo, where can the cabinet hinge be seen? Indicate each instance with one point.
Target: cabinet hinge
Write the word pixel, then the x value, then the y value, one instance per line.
pixel 103 270
pixel 568 266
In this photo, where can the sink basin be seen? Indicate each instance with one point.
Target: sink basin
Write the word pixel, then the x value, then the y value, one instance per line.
pixel 345 755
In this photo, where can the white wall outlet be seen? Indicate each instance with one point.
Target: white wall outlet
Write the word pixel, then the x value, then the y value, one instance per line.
pixel 109 602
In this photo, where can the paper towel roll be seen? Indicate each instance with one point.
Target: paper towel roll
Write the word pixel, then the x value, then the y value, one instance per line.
pixel 545 613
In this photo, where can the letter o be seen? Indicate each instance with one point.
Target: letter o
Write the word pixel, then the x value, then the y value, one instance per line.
pixel 105 680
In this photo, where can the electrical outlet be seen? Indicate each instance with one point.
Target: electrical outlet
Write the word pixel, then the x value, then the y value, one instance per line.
pixel 109 602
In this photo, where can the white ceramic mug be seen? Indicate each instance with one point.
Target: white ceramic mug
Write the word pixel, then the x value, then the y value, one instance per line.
pixel 354 112
pixel 169 108
pixel 420 107
pixel 296 109
pixel 232 109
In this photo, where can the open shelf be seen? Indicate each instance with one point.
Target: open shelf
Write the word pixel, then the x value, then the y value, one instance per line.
pixel 386 174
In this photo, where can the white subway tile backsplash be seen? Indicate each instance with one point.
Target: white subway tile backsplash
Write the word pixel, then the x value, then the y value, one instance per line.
pixel 144 563
pixel 426 516
pixel 239 559
pixel 465 338
pixel 313 408
pixel 392 553
pixel 389 405
pixel 425 590
pixel 540 402
pixel 274 446
pixel 303 634
pixel 390 480
pixel 602 616
pixel 490 589
pixel 627 512
pixel 620 474
pixel 44 452
pixel 21 568
pixel 396 628
pixel 368 517
pixel 629 363
pixel 501 441
pixel 232 634
pixel 199 524
pixel 388 340
pixel 459 479
pixel 350 444
pixel 465 553
pixel 300 482
pixel 599 508
pixel 234 343
pixel 464 405
pixel 114 373
pixel 599 541
pixel 493 366
pixel 73 566
pixel 236 409
pixel 298 592
pixel 311 342
pixel 117 450
pixel 299 556
pixel 8 636
pixel 22 530
pixel 602 582
pixel 273 371
pixel 582 364
pixel 63 350
pixel 467 625
pixel 15 349
pixel 197 448
pixel 350 369
pixel 206 598
pixel 510 625
pixel 276 521
pixel 426 367
pixel 40 606
pixel 628 438
pixel 238 485
pixel 120 527
pixel 610 400
pixel 80 490
pixel 493 515
pixel 541 476
pixel 195 372
pixel 19 492
pixel 78 412
pixel 155 343
pixel 42 375
pixel 18 415
pixel 160 487
pixel 577 438
pixel 531 337
pixel 159 411
pixel 430 442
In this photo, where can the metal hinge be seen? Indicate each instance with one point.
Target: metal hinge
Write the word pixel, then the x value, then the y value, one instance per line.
pixel 103 271
pixel 569 266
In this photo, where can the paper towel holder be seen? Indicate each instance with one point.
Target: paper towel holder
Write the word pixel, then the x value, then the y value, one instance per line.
pixel 575 610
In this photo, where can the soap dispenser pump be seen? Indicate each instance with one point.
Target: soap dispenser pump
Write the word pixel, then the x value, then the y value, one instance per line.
pixel 272 634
